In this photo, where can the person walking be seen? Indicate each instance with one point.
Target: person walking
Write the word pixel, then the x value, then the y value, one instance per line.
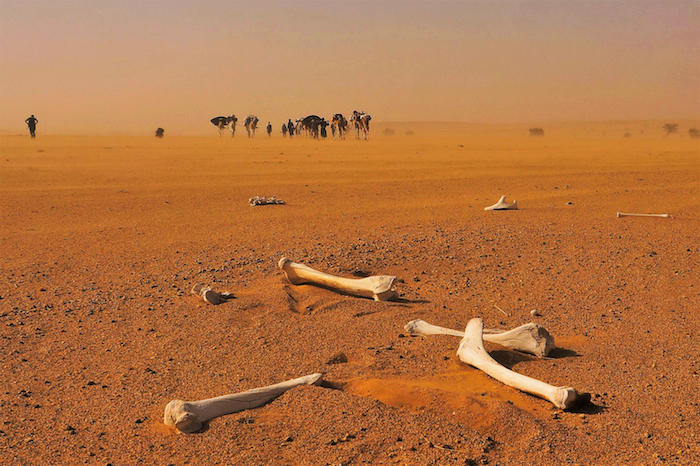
pixel 31 122
pixel 269 129
pixel 290 128
pixel 284 130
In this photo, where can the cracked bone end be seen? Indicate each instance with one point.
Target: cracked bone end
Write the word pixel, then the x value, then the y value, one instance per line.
pixel 209 295
pixel 384 288
pixel 179 413
pixel 503 205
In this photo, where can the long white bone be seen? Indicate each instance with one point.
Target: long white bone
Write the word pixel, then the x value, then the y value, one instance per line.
pixel 378 287
pixel 503 205
pixel 471 351
pixel 623 214
pixel 528 338
pixel 189 416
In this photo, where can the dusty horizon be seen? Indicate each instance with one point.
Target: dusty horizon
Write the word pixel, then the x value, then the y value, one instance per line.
pixel 103 67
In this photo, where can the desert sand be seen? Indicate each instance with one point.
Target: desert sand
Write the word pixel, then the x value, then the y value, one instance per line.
pixel 103 238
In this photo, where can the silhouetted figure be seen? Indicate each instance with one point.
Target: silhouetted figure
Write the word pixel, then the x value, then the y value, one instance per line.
pixel 160 132
pixel 290 127
pixel 269 129
pixel 31 122
pixel 284 130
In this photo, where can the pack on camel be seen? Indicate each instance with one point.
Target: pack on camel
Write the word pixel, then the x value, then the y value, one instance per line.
pixel 251 124
pixel 222 122
pixel 339 126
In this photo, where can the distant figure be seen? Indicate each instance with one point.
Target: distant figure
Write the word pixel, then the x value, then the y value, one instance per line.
pixel 31 122
pixel 269 129
pixel 159 132
pixel 290 127
pixel 233 121
pixel 323 124
pixel 284 130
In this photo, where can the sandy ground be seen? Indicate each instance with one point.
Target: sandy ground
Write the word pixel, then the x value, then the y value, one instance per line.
pixel 103 238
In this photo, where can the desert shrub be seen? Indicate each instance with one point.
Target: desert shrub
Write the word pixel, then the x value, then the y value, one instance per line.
pixel 671 128
pixel 694 133
pixel 410 133
pixel 627 135
pixel 389 131
pixel 536 132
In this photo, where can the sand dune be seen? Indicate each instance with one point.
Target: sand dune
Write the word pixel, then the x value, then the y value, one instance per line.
pixel 104 236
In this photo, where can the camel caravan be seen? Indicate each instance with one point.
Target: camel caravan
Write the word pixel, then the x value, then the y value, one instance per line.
pixel 312 126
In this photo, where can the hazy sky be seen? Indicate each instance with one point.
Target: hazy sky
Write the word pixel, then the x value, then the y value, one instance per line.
pixel 133 65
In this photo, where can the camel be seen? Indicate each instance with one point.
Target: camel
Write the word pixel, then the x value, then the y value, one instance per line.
pixel 222 122
pixel 251 124
pixel 364 125
pixel 339 125
pixel 360 122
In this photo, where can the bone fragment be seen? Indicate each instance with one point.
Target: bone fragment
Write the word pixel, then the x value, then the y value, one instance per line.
pixel 529 338
pixel 471 351
pixel 211 296
pixel 261 200
pixel 378 287
pixel 503 205
pixel 623 214
pixel 189 416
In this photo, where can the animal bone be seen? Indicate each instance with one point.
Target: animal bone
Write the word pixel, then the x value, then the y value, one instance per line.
pixel 211 296
pixel 471 351
pixel 528 338
pixel 379 287
pixel 261 200
pixel 622 214
pixel 189 416
pixel 503 205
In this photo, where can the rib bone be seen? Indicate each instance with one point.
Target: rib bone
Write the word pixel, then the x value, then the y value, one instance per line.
pixel 623 214
pixel 528 338
pixel 189 416
pixel 503 205
pixel 378 287
pixel 471 351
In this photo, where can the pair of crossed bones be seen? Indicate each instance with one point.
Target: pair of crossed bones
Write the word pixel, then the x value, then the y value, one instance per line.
pixel 531 338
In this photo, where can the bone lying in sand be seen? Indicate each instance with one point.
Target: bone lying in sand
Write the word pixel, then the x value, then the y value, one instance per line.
pixel 211 296
pixel 189 416
pixel 260 200
pixel 503 205
pixel 471 351
pixel 529 338
pixel 378 287
pixel 623 214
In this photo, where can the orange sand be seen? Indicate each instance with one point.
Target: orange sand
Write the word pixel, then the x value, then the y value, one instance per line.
pixel 103 237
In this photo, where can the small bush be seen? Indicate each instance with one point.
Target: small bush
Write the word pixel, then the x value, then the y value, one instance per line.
pixel 536 132
pixel 694 133
pixel 389 132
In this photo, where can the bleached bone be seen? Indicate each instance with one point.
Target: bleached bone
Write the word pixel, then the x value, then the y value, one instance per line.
pixel 528 338
pixel 471 351
pixel 262 200
pixel 623 214
pixel 211 296
pixel 503 205
pixel 378 287
pixel 189 416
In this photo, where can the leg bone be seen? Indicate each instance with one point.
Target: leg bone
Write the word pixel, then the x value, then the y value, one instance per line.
pixel 623 214
pixel 528 338
pixel 378 287
pixel 471 351
pixel 189 416
pixel 503 205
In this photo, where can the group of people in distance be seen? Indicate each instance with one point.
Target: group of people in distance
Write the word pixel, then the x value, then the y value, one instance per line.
pixel 310 126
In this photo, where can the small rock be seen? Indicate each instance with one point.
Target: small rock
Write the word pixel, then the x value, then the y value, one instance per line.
pixel 535 312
